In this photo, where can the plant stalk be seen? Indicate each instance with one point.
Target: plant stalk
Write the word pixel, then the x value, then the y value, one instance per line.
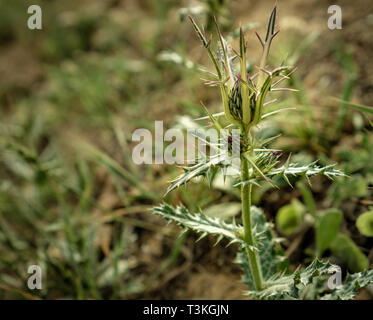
pixel 246 192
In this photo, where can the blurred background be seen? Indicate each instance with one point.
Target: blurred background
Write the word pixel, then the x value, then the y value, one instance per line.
pixel 73 202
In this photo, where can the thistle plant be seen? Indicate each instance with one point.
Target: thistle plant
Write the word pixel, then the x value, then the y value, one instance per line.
pixel 244 98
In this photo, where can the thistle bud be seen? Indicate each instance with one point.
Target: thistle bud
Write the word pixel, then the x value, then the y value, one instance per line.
pixel 235 102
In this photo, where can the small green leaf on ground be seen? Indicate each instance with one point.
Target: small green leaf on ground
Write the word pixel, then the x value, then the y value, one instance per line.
pixel 290 217
pixel 345 249
pixel 365 224
pixel 327 228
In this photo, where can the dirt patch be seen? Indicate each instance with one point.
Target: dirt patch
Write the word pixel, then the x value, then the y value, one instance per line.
pixel 206 285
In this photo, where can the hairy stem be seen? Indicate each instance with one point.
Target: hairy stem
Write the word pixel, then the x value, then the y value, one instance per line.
pixel 246 191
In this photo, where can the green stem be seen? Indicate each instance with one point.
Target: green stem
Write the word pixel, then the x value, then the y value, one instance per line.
pixel 246 192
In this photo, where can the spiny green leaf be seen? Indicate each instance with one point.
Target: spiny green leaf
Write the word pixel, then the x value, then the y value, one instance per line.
pixel 311 283
pixel 294 286
pixel 306 171
pixel 202 168
pixel 203 224
pixel 351 287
